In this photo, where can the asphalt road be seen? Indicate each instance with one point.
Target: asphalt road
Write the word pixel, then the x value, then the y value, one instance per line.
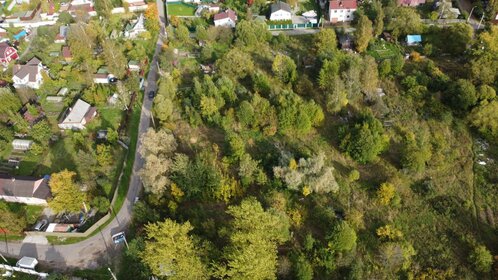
pixel 97 250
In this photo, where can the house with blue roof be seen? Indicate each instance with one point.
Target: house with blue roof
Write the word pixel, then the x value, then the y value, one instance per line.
pixel 413 40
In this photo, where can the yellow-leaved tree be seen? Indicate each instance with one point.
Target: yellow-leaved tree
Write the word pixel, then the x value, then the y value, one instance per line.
pixel 67 196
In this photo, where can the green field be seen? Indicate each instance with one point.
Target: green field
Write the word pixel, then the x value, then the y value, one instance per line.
pixel 180 9
pixel 382 50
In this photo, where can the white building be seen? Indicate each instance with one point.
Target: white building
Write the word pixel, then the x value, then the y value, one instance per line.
pixel 136 5
pixel 227 18
pixel 280 11
pixel 21 144
pixel 78 116
pixel 25 190
pixel 29 74
pixel 342 10
pixel 132 30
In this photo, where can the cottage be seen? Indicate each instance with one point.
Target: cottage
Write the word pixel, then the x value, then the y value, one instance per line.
pixel 135 5
pixel 133 30
pixel 27 190
pixel 60 38
pixel 411 3
pixel 21 144
pixel 346 42
pixel 280 11
pixel 63 91
pixel 413 40
pixel 342 10
pixel 78 116
pixel 85 6
pixel 227 18
pixel 134 65
pixel 7 54
pixel 29 74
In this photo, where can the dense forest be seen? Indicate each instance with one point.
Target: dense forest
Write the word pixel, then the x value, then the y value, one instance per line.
pixel 289 158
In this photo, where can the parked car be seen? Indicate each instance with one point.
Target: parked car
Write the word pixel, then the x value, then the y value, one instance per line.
pixel 119 237
pixel 41 225
pixel 152 94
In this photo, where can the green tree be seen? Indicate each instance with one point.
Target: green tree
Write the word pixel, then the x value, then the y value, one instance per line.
pixel 11 222
pixel 405 21
pixel 463 94
pixel 115 60
pixel 481 259
pixel 171 253
pixel 485 119
pixel 10 103
pixel 236 64
pixel 101 203
pixel 386 193
pixel 365 140
pixel 152 19
pixel 303 270
pixel 416 152
pixel 379 18
pixel 325 43
pixel 67 196
pixel 363 33
pixel 461 35
pixel 41 132
pixel 385 68
pixel 251 33
pixel 254 236
pixel 182 34
pixel 369 75
pixel 284 68
pixel 343 238
pixel 103 8
pixel 104 155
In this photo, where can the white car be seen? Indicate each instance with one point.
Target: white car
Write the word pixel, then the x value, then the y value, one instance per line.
pixel 27 263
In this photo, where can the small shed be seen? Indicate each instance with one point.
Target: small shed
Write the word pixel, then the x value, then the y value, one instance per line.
pixel 413 40
pixel 63 91
pixel 22 145
pixel 55 99
pixel 27 263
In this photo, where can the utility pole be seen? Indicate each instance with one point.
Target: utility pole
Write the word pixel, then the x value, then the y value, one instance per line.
pixel 113 276
pixel 470 15
pixel 4 259
pixel 479 25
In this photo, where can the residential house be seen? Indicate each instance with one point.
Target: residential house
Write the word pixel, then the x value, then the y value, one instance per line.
pixel 21 144
pixel 342 10
pixel 85 6
pixel 134 65
pixel 133 29
pixel 77 117
pixel 410 3
pixel 102 76
pixel 4 35
pixel 413 40
pixel 67 54
pixel 29 74
pixel 7 54
pixel 280 11
pixel 27 190
pixel 135 5
pixel 50 14
pixel 227 18
pixel 19 2
pixel 61 37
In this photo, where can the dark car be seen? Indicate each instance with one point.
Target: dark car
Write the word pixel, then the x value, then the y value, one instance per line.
pixel 152 94
pixel 113 80
pixel 41 225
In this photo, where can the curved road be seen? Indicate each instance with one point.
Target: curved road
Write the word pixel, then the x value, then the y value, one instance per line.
pixel 97 250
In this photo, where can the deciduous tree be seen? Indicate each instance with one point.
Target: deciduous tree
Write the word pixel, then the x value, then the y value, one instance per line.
pixel 171 253
pixel 363 33
pixel 67 196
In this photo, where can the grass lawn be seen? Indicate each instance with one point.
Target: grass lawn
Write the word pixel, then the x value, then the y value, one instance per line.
pixel 109 117
pixel 180 9
pixel 381 50
pixel 59 157
pixel 31 212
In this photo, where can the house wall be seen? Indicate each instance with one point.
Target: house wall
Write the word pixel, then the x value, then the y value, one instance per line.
pixel 341 15
pixel 72 126
pixel 25 200
pixel 100 80
pixel 228 22
pixel 280 15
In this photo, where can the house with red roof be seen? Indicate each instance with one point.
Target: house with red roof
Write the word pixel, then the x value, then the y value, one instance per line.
pixel 227 18
pixel 7 54
pixel 342 10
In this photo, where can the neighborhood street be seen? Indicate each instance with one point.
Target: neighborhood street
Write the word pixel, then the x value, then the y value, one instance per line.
pixel 97 250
